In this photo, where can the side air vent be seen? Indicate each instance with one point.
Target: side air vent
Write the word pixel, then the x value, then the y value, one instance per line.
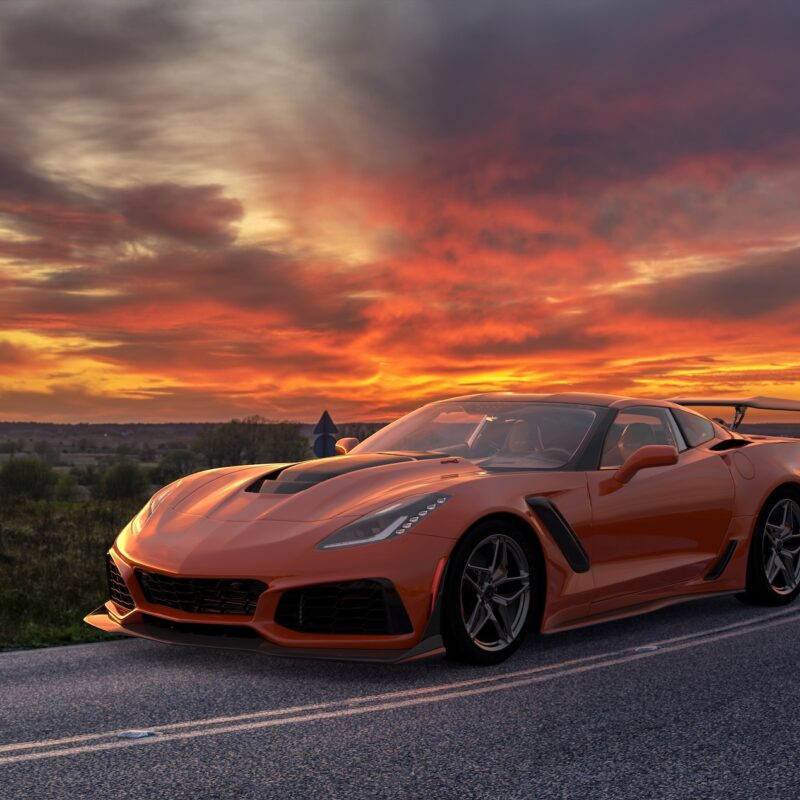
pixel 730 444
pixel 561 531
pixel 117 590
pixel 718 568
pixel 355 607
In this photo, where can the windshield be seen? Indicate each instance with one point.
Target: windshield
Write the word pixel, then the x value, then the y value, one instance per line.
pixel 511 435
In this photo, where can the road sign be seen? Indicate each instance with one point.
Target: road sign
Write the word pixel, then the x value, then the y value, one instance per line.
pixel 326 424
pixel 325 443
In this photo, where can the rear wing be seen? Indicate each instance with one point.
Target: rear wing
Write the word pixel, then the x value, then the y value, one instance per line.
pixel 740 405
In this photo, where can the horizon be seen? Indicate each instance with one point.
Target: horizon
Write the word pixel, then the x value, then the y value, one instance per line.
pixel 208 212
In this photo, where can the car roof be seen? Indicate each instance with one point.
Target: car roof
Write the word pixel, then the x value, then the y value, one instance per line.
pixel 582 398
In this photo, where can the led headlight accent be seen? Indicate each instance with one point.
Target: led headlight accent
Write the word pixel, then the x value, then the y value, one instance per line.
pixel 387 523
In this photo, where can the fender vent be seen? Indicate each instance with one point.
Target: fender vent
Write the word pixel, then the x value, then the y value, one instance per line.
pixel 561 531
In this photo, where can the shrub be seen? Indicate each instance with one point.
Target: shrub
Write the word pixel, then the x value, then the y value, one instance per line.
pixel 47 452
pixel 27 477
pixel 67 490
pixel 173 465
pixel 124 480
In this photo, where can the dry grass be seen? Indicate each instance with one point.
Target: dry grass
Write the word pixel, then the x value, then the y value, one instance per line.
pixel 52 569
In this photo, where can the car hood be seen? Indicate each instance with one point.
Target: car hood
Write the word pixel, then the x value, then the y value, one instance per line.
pixel 316 490
pixel 225 518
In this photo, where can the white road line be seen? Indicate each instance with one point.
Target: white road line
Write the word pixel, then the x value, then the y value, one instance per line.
pixel 493 678
pixel 396 700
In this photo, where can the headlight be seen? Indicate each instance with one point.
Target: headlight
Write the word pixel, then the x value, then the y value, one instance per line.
pixel 387 523
pixel 152 504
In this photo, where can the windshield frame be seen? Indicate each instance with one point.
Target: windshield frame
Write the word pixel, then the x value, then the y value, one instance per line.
pixel 585 458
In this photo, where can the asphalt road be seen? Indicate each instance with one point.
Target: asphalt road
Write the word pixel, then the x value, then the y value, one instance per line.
pixel 700 700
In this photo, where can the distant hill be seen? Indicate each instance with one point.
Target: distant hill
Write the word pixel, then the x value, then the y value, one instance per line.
pixel 85 443
pixel 79 444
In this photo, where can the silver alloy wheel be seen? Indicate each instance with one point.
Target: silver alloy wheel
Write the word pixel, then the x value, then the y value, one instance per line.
pixel 782 546
pixel 495 592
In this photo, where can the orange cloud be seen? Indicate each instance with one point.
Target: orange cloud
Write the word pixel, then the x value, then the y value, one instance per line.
pixel 204 215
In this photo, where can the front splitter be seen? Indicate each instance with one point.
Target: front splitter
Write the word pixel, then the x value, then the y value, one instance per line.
pixel 431 644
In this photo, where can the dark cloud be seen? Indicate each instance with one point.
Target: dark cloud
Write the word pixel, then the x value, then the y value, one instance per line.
pixel 194 347
pixel 200 215
pixel 63 40
pixel 254 279
pixel 20 182
pixel 745 290
pixel 245 279
pixel 41 250
pixel 570 97
pixel 525 243
pixel 554 341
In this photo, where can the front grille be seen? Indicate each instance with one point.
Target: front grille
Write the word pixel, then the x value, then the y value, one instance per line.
pixel 201 595
pixel 201 628
pixel 356 607
pixel 117 590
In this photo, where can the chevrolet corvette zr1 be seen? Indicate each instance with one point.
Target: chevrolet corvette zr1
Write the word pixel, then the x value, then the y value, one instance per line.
pixel 462 526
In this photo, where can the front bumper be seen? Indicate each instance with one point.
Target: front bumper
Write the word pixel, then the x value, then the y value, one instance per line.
pixel 261 633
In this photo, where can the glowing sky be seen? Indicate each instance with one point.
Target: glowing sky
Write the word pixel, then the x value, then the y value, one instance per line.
pixel 213 209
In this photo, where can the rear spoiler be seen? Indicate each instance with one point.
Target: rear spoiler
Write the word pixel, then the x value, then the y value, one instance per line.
pixel 740 405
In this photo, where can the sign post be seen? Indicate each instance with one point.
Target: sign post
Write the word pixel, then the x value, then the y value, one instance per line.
pixel 325 443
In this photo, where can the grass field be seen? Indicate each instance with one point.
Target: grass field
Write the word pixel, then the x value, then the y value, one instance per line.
pixel 52 568
pixel 52 565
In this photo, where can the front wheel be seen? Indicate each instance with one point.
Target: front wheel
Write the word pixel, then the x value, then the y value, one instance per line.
pixel 488 601
pixel 773 570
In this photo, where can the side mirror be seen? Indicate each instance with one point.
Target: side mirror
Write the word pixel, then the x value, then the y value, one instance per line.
pixel 651 455
pixel 344 446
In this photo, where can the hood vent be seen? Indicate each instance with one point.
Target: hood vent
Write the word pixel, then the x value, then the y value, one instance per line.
pixel 306 474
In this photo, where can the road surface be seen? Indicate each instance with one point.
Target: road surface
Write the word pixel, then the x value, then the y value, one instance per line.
pixel 700 700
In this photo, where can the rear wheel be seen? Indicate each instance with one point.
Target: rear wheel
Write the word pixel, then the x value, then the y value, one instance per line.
pixel 488 599
pixel 773 571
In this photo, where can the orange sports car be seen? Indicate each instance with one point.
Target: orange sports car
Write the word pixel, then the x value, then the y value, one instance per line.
pixel 464 525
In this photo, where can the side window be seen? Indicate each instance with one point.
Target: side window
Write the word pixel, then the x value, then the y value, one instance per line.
pixel 636 427
pixel 695 429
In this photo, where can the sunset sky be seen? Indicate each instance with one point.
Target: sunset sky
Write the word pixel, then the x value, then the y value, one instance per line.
pixel 215 209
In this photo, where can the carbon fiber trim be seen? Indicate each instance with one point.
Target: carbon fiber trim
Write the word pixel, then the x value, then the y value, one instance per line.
pixel 561 531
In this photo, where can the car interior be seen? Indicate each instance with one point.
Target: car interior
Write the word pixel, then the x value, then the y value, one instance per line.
pixel 631 431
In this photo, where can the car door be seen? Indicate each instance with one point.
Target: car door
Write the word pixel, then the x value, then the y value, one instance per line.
pixel 668 524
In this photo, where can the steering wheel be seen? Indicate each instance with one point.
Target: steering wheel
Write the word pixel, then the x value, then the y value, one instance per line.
pixel 556 452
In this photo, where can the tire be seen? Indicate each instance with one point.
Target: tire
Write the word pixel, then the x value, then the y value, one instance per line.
pixel 488 600
pixel 773 565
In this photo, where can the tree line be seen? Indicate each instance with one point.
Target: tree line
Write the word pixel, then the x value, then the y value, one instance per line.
pixel 252 440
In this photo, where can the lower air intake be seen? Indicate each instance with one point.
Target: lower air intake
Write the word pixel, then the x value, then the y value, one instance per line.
pixel 117 590
pixel 355 607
